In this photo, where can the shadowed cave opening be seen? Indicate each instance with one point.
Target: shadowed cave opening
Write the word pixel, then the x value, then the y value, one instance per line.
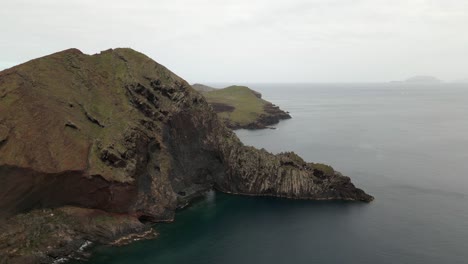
pixel 145 219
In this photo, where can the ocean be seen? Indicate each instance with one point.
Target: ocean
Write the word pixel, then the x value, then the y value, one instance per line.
pixel 407 145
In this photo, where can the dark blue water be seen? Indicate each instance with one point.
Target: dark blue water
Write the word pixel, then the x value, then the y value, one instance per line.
pixel 406 145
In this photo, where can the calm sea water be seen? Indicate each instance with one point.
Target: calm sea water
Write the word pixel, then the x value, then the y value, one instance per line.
pixel 406 145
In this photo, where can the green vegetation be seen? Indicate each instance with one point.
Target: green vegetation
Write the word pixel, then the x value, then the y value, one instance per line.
pixel 247 106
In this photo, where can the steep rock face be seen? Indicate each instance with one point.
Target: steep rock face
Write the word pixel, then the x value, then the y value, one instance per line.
pixel 120 133
pixel 254 172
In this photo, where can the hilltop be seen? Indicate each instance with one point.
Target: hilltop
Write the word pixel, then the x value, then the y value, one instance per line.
pixel 94 147
pixel 242 107
pixel 202 87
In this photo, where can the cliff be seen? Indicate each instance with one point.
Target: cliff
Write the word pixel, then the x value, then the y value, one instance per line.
pixel 121 135
pixel 241 107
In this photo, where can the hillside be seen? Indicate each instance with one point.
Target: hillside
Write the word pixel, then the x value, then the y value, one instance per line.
pixel 241 107
pixel 203 88
pixel 92 147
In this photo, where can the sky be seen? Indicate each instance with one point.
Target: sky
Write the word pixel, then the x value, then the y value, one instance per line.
pixel 252 40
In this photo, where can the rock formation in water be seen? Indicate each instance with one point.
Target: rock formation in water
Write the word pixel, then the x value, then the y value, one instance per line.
pixel 241 107
pixel 121 135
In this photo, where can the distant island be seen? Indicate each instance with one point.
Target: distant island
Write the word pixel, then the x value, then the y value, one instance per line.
pixel 461 81
pixel 423 79
pixel 241 107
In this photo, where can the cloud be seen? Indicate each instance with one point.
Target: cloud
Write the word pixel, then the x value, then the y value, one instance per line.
pixel 246 40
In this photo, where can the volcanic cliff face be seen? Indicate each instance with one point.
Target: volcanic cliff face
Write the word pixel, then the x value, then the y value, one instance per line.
pixel 120 133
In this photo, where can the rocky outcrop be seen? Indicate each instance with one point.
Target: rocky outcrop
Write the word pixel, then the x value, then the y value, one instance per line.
pixel 119 133
pixel 273 115
pixel 254 172
pixel 58 235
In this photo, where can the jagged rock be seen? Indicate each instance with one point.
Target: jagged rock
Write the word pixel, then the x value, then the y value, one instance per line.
pixel 161 145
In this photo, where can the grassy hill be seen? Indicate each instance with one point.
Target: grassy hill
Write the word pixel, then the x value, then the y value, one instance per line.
pixel 242 107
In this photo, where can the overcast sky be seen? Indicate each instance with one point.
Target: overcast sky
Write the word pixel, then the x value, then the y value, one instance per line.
pixel 252 40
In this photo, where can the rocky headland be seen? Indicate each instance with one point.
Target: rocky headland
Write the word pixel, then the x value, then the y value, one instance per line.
pixel 241 107
pixel 93 148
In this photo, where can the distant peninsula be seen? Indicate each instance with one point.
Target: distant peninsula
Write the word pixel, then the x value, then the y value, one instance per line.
pixel 241 107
